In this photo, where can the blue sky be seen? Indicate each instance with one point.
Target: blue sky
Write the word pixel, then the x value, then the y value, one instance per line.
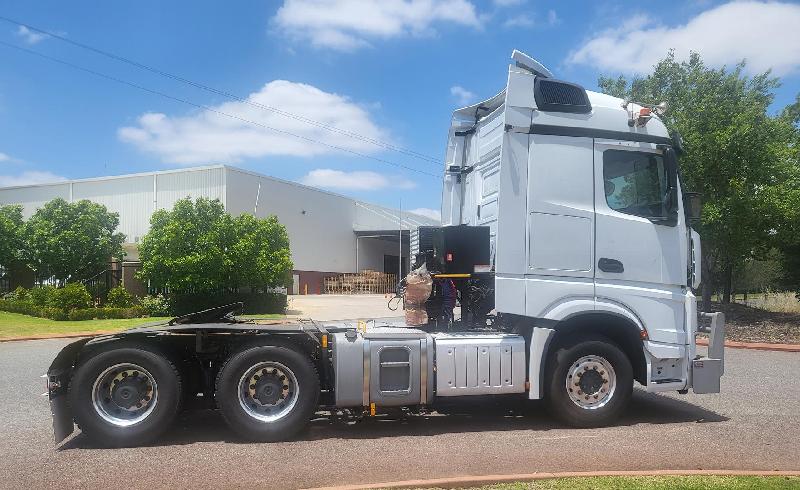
pixel 389 72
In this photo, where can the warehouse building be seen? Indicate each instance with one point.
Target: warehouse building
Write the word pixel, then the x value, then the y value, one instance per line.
pixel 329 234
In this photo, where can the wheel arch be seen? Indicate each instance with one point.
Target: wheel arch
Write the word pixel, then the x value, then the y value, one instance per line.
pixel 621 329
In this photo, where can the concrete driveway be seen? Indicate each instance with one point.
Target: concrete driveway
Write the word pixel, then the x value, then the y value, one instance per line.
pixel 327 307
pixel 754 424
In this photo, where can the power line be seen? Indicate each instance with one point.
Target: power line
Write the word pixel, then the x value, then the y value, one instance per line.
pixel 307 120
pixel 211 109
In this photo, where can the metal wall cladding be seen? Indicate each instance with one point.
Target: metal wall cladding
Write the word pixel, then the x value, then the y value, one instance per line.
pixel 33 197
pixel 130 197
pixel 173 186
pixel 479 364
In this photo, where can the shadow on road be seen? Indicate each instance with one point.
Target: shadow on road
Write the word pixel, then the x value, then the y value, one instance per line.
pixel 480 416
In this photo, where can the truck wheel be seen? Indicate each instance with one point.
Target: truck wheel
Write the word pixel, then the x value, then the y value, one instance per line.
pixel 267 393
pixel 589 382
pixel 125 396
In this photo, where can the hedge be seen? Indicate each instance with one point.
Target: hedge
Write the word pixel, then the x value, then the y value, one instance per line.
pixel 28 308
pixel 254 303
pixel 179 304
pixel 106 313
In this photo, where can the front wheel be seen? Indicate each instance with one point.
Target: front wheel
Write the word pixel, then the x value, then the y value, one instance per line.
pixel 590 382
pixel 267 393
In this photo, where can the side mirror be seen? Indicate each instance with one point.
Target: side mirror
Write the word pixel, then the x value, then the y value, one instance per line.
pixel 693 206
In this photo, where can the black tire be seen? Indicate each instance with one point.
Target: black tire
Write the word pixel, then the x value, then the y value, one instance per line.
pixel 289 362
pixel 564 361
pixel 165 402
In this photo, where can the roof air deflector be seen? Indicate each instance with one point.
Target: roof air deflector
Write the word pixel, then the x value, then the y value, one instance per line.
pixel 529 64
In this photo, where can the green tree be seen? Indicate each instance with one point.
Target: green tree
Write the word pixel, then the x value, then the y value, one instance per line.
pixel 71 241
pixel 10 234
pixel 260 254
pixel 787 232
pixel 197 247
pixel 737 155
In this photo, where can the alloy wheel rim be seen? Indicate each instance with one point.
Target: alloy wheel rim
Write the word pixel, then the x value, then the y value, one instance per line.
pixel 591 382
pixel 268 391
pixel 124 394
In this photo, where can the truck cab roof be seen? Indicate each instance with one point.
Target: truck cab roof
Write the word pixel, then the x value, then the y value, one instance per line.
pixel 521 104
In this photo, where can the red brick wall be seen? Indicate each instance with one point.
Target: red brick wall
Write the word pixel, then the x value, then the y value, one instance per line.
pixel 311 282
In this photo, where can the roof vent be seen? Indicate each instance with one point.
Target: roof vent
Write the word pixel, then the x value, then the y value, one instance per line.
pixel 557 96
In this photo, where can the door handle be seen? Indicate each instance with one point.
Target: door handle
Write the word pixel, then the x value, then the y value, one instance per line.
pixel 610 265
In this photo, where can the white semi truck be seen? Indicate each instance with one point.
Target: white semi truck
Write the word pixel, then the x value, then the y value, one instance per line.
pixel 566 239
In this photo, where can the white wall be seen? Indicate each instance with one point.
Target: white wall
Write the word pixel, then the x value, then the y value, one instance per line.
pixel 320 224
pixel 33 197
pixel 134 197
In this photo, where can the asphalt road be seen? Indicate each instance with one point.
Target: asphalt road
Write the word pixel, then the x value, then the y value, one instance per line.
pixel 753 425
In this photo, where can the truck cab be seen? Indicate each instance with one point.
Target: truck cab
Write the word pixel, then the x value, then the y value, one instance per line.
pixel 588 227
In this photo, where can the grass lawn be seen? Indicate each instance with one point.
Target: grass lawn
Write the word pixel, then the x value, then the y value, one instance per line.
pixel 16 325
pixel 654 482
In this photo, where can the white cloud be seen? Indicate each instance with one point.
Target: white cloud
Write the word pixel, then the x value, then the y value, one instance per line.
pixel 29 36
pixel 552 17
pixel 28 178
pixel 207 136
pixel 520 20
pixel 356 180
pixel 346 25
pixel 4 157
pixel 765 34
pixel 462 95
pixel 508 3
pixel 433 214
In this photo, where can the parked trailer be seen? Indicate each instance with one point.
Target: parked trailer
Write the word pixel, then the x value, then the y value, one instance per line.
pixel 567 240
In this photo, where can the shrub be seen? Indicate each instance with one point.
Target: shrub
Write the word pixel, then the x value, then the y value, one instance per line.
pixel 19 294
pixel 78 314
pixel 105 313
pixel 157 305
pixel 22 307
pixel 71 297
pixel 53 313
pixel 119 297
pixel 40 295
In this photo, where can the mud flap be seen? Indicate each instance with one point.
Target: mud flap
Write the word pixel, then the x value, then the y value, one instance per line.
pixel 58 377
pixel 707 371
pixel 62 418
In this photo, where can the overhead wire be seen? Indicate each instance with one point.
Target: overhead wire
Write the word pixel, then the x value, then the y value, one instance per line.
pixel 245 100
pixel 212 109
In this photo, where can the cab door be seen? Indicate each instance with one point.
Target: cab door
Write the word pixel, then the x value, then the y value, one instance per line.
pixel 640 248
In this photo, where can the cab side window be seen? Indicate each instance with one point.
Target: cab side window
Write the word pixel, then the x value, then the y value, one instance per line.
pixel 635 182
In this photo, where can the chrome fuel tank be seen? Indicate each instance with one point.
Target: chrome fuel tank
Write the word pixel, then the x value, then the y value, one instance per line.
pixel 387 366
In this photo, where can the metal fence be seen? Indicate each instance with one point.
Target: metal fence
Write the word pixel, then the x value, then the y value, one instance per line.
pixel 5 281
pixel 101 283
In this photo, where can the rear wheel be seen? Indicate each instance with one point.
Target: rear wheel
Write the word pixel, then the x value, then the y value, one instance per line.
pixel 125 396
pixel 589 382
pixel 267 393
